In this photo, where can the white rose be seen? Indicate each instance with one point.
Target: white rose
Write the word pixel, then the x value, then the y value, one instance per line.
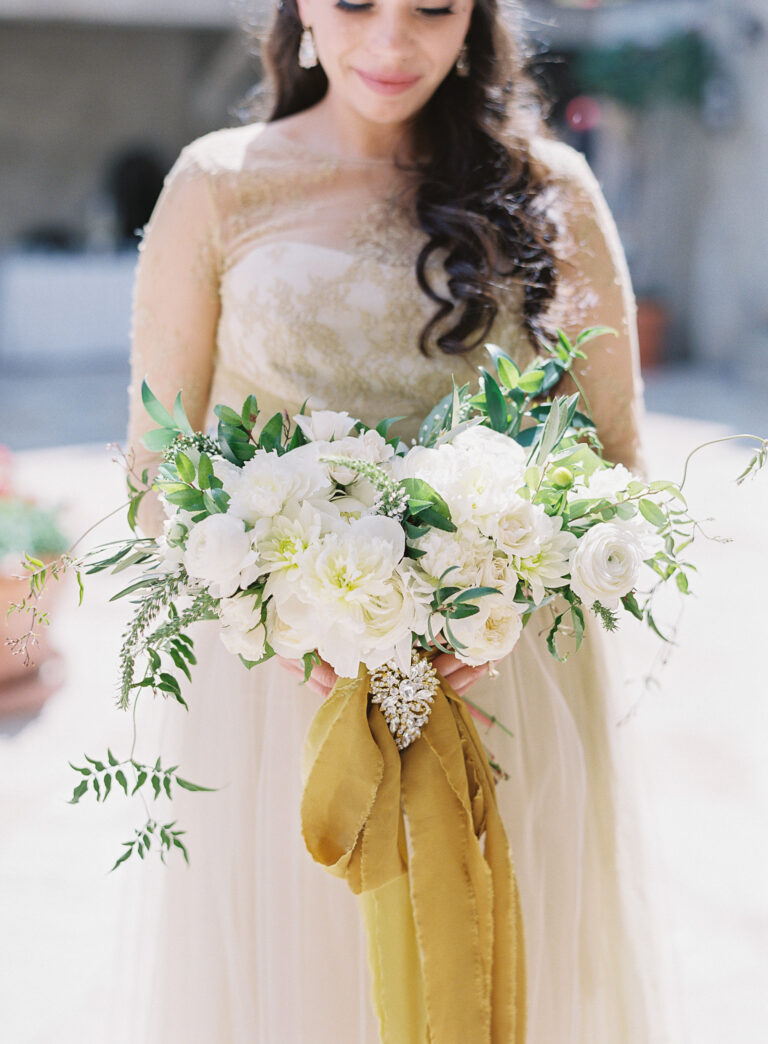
pixel 242 631
pixel 369 446
pixel 491 633
pixel 325 425
pixel 606 563
pixel 218 549
pixel 483 442
pixel 518 528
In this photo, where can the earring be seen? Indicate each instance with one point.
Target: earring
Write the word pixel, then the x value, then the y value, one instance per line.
pixel 462 66
pixel 307 50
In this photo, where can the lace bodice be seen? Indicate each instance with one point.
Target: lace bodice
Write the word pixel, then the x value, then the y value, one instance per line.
pixel 270 268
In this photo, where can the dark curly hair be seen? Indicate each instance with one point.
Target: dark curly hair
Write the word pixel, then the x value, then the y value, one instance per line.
pixel 477 192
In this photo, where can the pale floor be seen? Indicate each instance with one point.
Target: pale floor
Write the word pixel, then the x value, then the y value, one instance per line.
pixel 702 733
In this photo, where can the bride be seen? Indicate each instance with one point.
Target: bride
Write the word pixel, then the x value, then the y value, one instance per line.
pixel 401 207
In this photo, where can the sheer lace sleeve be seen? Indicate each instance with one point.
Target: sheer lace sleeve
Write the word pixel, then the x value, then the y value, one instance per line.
pixel 594 289
pixel 175 310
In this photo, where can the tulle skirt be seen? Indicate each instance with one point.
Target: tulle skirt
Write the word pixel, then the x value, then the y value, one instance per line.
pixel 255 944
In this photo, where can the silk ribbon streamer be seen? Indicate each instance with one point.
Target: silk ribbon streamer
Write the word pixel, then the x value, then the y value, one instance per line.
pixel 404 829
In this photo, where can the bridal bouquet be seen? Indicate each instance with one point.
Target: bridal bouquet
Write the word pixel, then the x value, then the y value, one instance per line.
pixel 318 537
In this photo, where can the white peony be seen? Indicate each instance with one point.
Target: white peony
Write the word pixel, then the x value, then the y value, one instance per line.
pixel 325 425
pixel 282 540
pixel 608 482
pixel 480 441
pixel 242 631
pixel 284 639
pixel 606 563
pixel 268 482
pixel 227 472
pixel 465 552
pixel 549 566
pixel 491 633
pixel 347 598
pixel 218 551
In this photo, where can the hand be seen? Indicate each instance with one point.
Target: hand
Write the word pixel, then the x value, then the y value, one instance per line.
pixel 321 680
pixel 459 676
pixel 323 677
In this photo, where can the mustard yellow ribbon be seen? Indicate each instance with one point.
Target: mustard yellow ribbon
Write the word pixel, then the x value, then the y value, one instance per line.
pixel 441 910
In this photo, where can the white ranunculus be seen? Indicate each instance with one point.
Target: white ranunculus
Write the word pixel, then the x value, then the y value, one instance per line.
pixel 268 481
pixel 518 528
pixel 549 566
pixel 606 563
pixel 325 425
pixel 242 631
pixel 218 550
pixel 489 635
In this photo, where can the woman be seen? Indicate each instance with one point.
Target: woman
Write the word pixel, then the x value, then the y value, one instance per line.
pixel 398 210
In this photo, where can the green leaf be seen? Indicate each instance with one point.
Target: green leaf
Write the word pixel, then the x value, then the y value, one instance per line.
pixel 107 785
pixel 421 492
pixel 495 403
pixel 508 372
pixel 180 417
pixel 185 468
pixel 140 781
pixel 155 408
pixel 98 765
pixel 179 844
pixel 592 332
pixel 682 583
pixel 204 471
pixel 79 790
pixel 271 432
pixel 120 777
pixel 167 784
pixel 631 605
pixel 186 785
pixel 474 592
pixel 158 439
pixel 229 416
pixel 436 519
pixel 249 412
pixel 626 510
pixel 531 382
pixel 83 771
pixel 126 855
pixel 653 513
pixel 188 499
pixel 156 786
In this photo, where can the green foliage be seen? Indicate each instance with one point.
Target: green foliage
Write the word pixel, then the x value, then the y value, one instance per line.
pixel 27 527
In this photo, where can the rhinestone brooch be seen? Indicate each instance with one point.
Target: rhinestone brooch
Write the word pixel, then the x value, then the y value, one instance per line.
pixel 405 699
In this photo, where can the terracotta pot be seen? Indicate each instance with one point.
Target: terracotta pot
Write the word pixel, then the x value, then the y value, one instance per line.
pixel 652 323
pixel 12 668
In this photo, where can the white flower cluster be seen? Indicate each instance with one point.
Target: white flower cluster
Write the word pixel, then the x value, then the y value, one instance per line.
pixel 303 559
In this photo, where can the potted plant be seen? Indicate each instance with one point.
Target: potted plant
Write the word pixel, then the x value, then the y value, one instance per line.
pixel 25 526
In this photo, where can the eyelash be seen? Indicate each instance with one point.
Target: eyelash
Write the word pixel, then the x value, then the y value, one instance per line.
pixel 430 12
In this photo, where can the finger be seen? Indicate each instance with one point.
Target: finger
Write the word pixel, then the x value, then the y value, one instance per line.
pixel 464 678
pixel 325 675
pixel 446 664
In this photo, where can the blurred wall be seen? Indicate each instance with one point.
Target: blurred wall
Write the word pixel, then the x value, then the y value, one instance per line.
pixel 74 95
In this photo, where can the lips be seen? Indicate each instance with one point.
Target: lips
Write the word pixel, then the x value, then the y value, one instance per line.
pixel 387 83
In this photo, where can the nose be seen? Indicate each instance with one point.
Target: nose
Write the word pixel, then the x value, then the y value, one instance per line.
pixel 392 36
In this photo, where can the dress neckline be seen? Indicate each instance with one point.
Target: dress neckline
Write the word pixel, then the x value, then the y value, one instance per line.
pixel 326 154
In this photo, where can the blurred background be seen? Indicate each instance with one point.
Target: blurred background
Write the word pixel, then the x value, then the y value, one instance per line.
pixel 667 100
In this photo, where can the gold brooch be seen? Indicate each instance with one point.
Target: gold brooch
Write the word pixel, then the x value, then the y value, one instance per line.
pixel 405 699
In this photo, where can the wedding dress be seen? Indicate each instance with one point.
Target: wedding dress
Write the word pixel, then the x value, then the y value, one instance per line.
pixel 274 269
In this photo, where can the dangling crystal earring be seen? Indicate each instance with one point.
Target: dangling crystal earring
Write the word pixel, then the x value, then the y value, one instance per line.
pixel 462 66
pixel 307 50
